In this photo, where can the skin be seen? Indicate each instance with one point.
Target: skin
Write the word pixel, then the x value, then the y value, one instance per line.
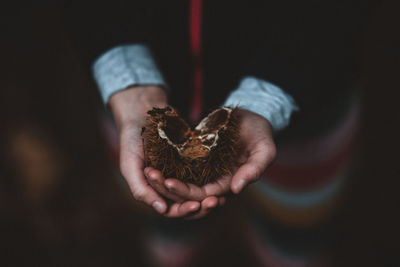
pixel 169 196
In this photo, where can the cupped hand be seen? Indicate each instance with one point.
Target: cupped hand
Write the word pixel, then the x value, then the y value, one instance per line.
pixel 207 203
pixel 258 153
pixel 129 108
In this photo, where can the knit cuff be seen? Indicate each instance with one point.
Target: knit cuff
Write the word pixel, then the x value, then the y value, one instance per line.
pixel 265 99
pixel 125 66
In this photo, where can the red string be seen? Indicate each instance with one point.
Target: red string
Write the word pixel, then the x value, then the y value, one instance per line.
pixel 195 41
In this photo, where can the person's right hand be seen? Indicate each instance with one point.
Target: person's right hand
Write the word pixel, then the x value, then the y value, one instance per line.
pixel 130 108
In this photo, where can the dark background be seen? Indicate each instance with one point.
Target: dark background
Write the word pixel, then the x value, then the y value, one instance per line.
pixel 61 203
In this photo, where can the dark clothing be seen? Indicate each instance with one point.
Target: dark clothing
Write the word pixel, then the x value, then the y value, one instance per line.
pixel 311 49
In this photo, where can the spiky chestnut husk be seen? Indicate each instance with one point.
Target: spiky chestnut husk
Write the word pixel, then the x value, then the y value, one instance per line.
pixel 199 156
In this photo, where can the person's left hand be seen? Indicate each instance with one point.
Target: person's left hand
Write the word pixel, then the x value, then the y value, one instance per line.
pixel 258 153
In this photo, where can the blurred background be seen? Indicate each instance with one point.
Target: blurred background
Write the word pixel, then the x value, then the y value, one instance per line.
pixel 60 203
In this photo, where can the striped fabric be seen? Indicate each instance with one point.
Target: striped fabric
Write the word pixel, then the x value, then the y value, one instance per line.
pixel 298 194
pixel 304 183
pixel 269 254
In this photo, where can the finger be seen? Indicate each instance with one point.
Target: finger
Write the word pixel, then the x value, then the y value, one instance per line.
pixel 191 191
pixel 156 180
pixel 207 205
pixel 177 210
pixel 219 187
pixel 259 158
pixel 131 168
pixel 187 191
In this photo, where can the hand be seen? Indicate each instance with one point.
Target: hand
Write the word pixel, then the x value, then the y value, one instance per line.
pixel 156 179
pixel 258 152
pixel 129 108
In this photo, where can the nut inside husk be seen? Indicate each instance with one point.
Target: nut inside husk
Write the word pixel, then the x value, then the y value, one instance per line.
pixel 196 156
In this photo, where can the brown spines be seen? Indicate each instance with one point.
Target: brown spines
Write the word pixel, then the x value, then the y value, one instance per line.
pixel 199 156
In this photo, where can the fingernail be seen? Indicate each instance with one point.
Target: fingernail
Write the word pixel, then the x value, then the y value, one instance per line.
pixel 239 186
pixel 153 180
pixel 194 207
pixel 210 207
pixel 170 186
pixel 158 206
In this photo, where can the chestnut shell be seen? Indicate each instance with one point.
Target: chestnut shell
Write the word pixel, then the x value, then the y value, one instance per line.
pixel 196 156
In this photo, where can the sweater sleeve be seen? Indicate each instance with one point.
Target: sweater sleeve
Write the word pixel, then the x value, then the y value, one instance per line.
pixel 265 99
pixel 115 40
pixel 124 66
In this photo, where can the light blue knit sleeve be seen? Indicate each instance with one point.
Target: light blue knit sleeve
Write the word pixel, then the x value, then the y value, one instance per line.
pixel 265 99
pixel 124 66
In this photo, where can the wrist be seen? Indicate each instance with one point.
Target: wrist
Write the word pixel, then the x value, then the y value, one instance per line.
pixel 245 113
pixel 131 105
pixel 265 99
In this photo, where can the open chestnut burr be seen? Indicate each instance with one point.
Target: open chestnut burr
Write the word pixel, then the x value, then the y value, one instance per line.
pixel 196 156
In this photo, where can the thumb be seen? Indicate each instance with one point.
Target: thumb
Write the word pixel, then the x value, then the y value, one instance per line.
pixel 260 158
